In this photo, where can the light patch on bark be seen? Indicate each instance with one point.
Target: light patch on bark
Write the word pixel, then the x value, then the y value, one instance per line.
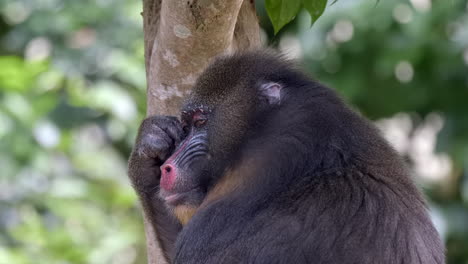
pixel 164 92
pixel 189 79
pixel 182 31
pixel 213 8
pixel 171 58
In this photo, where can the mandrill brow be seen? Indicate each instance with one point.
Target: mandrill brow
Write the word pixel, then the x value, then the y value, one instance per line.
pixel 266 165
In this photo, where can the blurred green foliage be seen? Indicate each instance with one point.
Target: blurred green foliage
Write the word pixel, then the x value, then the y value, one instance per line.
pixel 72 93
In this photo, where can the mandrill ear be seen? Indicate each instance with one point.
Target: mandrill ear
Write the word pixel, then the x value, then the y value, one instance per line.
pixel 271 91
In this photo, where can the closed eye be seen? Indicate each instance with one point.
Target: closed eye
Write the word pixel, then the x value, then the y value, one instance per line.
pixel 199 123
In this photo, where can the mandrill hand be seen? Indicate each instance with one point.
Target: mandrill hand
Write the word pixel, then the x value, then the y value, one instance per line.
pixel 157 138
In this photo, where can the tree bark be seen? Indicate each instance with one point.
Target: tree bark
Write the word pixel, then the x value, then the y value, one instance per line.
pixel 181 38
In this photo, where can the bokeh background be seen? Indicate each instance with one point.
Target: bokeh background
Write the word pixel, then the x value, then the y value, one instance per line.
pixel 72 93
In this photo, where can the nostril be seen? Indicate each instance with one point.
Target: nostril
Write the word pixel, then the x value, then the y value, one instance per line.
pixel 166 169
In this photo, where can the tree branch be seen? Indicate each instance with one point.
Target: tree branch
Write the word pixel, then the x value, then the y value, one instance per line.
pixel 190 34
pixel 181 38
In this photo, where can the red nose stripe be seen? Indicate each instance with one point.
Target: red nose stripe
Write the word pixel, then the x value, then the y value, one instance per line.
pixel 168 175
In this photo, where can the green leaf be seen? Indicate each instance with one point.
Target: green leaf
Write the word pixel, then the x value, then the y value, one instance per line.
pixel 282 12
pixel 315 8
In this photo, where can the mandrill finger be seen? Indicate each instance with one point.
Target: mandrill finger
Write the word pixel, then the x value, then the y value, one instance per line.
pixel 155 144
pixel 175 132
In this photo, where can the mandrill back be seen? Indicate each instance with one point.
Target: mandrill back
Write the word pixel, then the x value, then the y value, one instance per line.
pixel 314 182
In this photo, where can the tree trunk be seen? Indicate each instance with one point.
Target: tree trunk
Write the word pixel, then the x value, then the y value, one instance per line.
pixel 181 37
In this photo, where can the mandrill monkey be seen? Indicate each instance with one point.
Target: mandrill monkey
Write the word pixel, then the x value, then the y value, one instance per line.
pixel 269 166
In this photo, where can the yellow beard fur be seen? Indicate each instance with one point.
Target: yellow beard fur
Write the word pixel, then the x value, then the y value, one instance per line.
pixel 184 213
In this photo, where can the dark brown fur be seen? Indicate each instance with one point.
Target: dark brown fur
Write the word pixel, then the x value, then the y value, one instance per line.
pixel 156 139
